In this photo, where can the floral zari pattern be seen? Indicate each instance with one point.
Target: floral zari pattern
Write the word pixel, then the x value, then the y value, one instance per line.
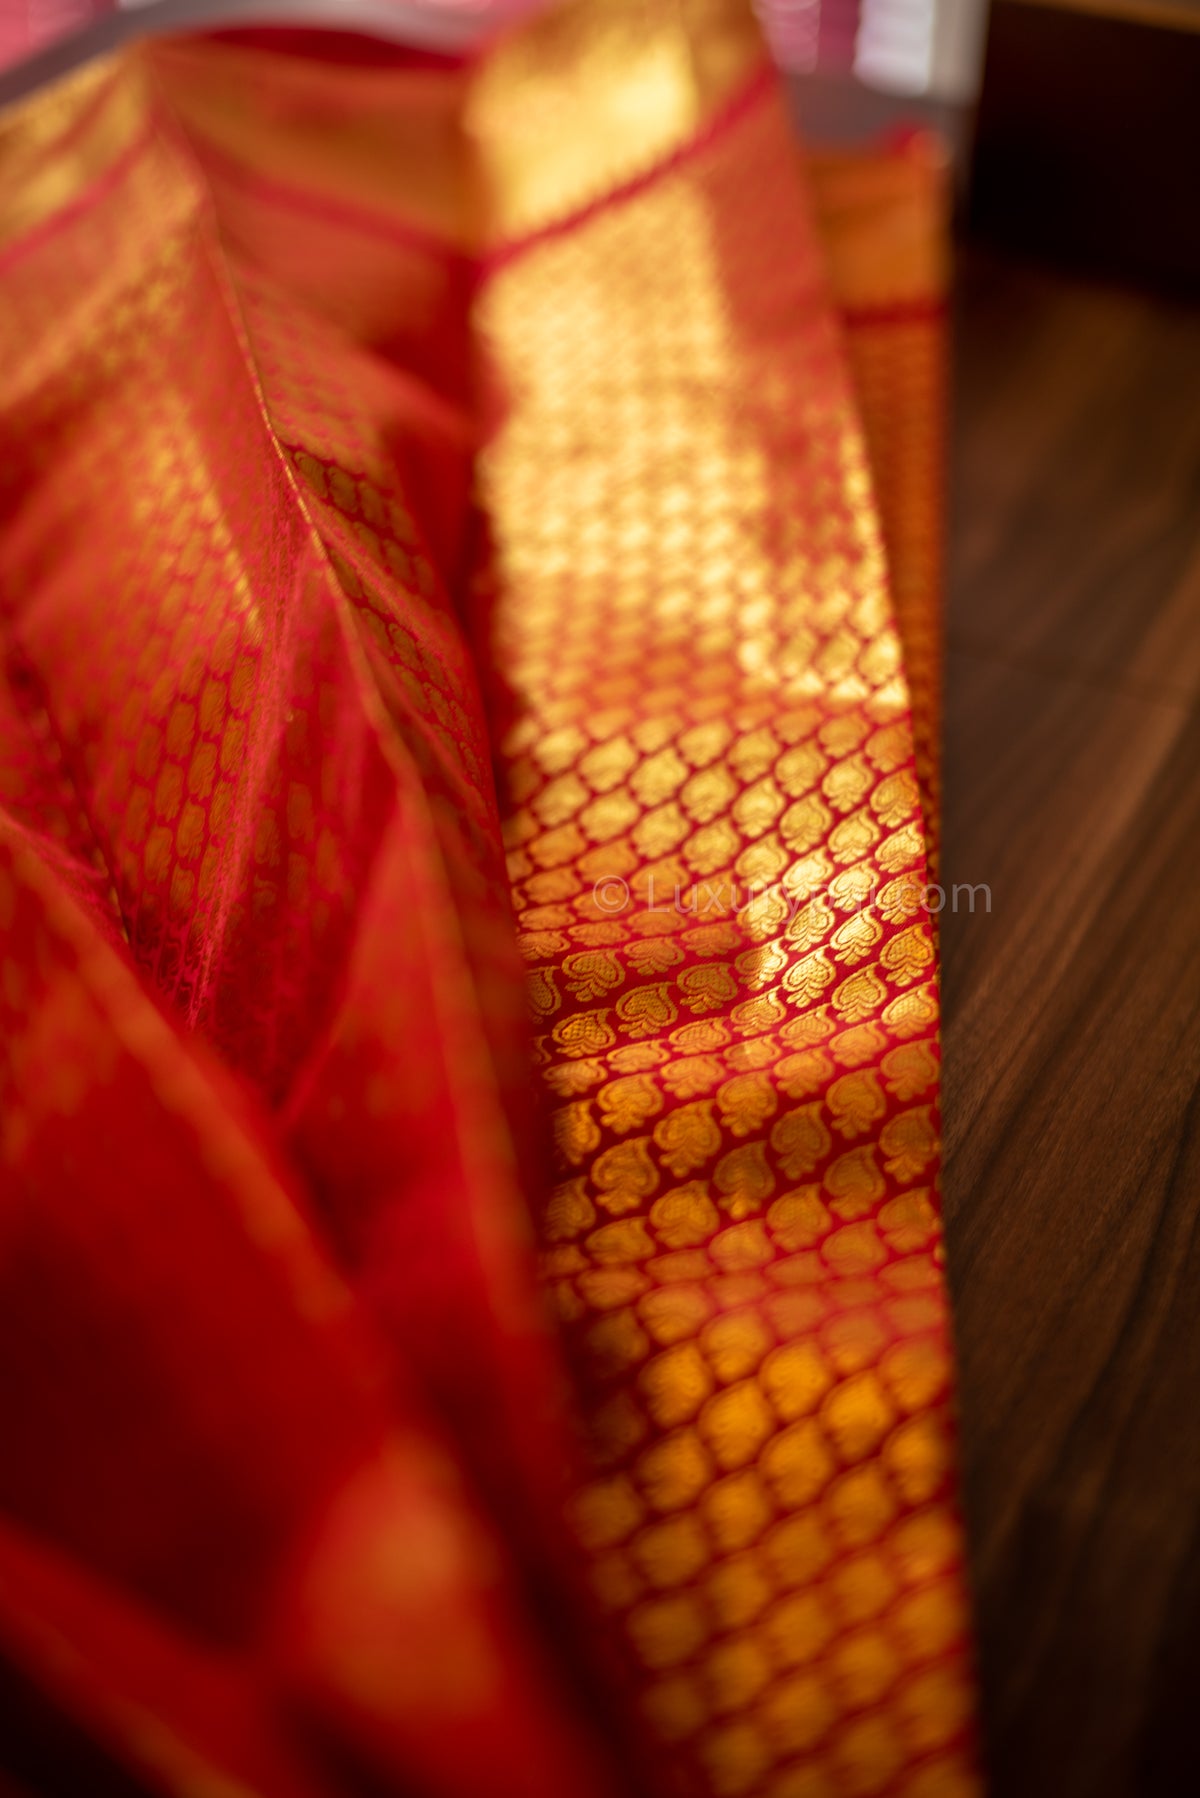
pixel 715 841
pixel 323 492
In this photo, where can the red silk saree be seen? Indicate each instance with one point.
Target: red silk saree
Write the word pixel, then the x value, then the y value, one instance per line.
pixel 471 1311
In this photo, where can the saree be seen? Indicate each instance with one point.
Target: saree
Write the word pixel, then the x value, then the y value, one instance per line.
pixel 471 1302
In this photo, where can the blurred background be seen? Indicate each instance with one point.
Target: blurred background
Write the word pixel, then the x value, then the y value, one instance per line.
pixel 1073 120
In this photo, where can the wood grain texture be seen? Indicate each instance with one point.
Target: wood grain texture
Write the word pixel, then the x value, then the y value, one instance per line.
pixel 1072 1023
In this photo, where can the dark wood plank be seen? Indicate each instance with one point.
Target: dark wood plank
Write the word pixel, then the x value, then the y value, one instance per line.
pixel 1072 1023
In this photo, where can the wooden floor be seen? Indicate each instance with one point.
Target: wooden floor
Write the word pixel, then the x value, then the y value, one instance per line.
pixel 1072 1022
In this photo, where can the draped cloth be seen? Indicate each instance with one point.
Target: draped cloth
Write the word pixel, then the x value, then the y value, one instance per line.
pixel 471 1302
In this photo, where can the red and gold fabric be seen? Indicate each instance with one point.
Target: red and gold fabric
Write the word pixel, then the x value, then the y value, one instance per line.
pixel 471 1306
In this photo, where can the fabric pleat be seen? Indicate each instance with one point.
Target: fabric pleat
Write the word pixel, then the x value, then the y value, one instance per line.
pixel 471 1302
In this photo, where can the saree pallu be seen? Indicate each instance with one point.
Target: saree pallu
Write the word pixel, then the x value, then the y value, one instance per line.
pixel 438 531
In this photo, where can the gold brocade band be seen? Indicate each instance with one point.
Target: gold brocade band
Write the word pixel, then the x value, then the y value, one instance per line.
pixel 715 836
pixel 882 219
pixel 53 147
pixel 585 100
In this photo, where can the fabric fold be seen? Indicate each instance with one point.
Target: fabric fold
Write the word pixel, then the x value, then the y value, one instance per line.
pixel 468 1141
